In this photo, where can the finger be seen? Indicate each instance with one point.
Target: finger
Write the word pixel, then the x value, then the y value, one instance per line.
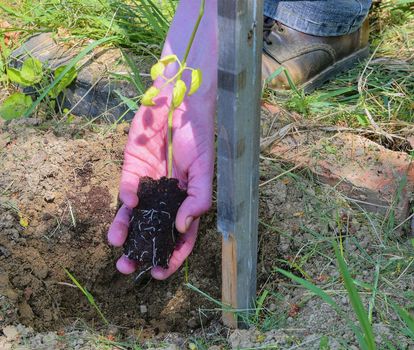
pixel 198 201
pixel 118 230
pixel 138 162
pixel 125 265
pixel 128 187
pixel 179 255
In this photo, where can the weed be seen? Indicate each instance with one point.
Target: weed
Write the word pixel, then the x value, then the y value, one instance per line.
pixel 33 75
pixel 366 339
pixel 60 78
pixel 134 76
pixel 88 296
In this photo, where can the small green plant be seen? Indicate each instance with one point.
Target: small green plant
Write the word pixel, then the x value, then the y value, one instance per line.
pixel 367 341
pixel 88 296
pixel 364 332
pixel 134 77
pixel 48 85
pixel 33 74
pixel 179 86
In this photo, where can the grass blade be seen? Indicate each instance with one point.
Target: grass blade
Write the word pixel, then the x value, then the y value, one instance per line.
pixel 356 301
pixel 274 74
pixel 327 299
pixel 135 76
pixel 311 287
pixel 407 318
pixel 88 296
pixel 259 304
pixel 205 295
pixel 374 292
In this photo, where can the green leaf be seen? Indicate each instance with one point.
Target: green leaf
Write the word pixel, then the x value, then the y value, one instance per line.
pixel 260 302
pixel 24 222
pixel 362 120
pixel 324 343
pixel 313 288
pixel 15 105
pixel 66 80
pixel 32 70
pixel 274 74
pixel 147 98
pixel 88 295
pixel 407 318
pixel 168 59
pixel 196 80
pixel 327 299
pixel 356 302
pixel 178 93
pixel 135 76
pixel 15 76
pixel 330 149
pixel 156 70
pixel 131 104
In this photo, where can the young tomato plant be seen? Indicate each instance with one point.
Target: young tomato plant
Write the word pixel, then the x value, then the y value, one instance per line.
pixel 179 86
pixel 152 235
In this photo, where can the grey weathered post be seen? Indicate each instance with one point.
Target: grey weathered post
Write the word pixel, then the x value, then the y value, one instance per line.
pixel 240 45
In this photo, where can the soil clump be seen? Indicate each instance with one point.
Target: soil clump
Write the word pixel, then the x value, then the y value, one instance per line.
pixel 152 234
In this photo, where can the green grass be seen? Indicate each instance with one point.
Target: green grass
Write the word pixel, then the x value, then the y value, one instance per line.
pixel 72 64
pixel 373 300
pixel 138 24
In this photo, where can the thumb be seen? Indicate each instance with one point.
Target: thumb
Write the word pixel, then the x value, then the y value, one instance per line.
pixel 198 201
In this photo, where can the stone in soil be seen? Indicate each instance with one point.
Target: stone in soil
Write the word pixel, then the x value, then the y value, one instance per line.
pixel 152 234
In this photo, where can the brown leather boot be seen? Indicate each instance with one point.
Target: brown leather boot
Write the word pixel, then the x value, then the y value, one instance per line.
pixel 310 60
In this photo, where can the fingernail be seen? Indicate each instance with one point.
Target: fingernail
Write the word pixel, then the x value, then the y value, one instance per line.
pixel 188 222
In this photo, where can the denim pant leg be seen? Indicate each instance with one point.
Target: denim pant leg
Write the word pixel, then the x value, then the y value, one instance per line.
pixel 319 17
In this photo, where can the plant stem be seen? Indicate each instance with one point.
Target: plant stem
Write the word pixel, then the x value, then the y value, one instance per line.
pixel 172 109
pixel 169 139
pixel 193 34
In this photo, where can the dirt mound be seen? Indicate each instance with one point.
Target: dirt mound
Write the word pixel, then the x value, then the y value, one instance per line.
pixel 66 189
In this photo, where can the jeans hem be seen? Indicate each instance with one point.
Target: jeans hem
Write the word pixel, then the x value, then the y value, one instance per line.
pixel 317 23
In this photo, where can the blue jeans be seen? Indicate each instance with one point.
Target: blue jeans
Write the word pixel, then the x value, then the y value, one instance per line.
pixel 319 17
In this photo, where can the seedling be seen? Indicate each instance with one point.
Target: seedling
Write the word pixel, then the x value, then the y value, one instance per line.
pixel 180 88
pixel 152 234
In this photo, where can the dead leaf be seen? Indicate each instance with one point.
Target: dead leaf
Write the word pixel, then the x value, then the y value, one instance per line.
pixel 24 222
pixel 294 310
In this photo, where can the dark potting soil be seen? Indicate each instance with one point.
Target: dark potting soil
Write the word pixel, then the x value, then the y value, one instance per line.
pixel 152 235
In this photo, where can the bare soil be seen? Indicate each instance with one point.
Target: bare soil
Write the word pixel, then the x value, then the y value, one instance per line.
pixel 64 182
pixel 66 186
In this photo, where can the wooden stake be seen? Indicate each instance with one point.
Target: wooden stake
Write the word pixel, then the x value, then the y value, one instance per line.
pixel 240 46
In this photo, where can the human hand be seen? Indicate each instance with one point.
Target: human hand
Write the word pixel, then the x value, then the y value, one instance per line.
pixel 193 137
pixel 145 155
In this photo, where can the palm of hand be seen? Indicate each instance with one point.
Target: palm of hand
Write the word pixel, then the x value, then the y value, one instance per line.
pixel 145 155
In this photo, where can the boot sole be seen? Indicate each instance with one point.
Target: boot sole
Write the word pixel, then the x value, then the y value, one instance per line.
pixel 332 71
